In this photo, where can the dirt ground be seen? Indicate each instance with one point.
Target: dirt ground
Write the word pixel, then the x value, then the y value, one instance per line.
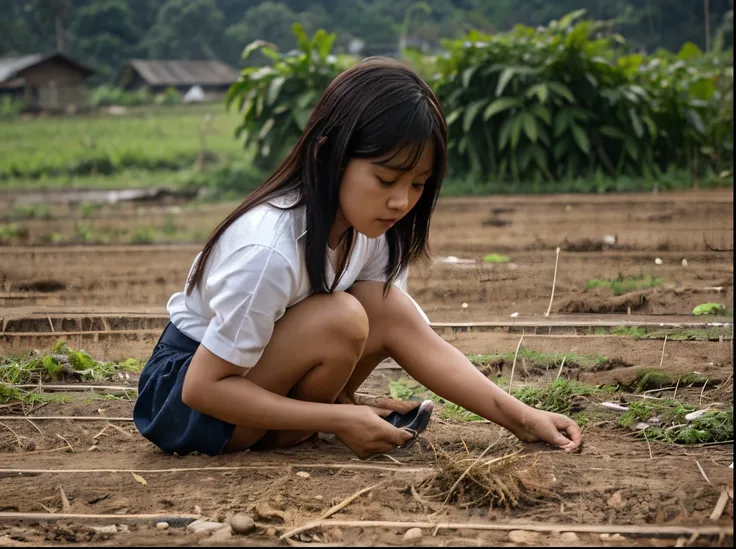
pixel 110 301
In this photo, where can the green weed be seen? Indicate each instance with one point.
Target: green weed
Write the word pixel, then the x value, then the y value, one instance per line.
pixel 623 285
pixel 709 309
pixel 712 426
pixel 496 258
pixel 539 360
pixel 647 379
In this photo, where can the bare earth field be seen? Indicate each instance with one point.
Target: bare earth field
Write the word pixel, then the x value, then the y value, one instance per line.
pixel 622 489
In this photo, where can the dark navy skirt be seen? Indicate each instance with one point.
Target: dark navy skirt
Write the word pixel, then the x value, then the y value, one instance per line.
pixel 159 413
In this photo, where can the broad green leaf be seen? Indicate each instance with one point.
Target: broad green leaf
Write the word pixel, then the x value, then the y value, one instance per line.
pixel 561 148
pixel 274 89
pixel 689 51
pixel 581 138
pixel 301 116
pixel 561 90
pixel 562 120
pixel 306 99
pixel 324 42
pixel 709 309
pixel 540 157
pixel 504 79
pixel 543 135
pixel 471 112
pixel 696 121
pixel 651 125
pixel 636 123
pixel 468 75
pixel 542 112
pixel 610 131
pixel 266 128
pixel 500 105
pixel 530 126
pixel 454 115
pixel 702 89
pixel 516 126
pixel 632 149
pixel 301 37
pixel 540 90
pixel 505 133
pixel 525 157
pixel 253 46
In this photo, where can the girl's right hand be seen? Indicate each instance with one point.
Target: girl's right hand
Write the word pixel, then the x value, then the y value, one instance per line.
pixel 366 433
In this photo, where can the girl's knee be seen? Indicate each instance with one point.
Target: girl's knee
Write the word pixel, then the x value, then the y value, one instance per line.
pixel 348 318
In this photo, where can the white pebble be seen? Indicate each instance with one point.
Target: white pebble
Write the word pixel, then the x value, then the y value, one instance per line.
pixel 684 262
pixel 242 524
pixel 658 261
pixel 162 525
pixel 514 315
pixel 318 496
pixel 569 537
pixel 302 474
pixel 412 534
pixel 464 305
pixel 568 208
pixel 112 529
pixel 609 239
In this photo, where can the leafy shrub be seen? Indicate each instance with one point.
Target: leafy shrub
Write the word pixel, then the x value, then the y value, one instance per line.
pixel 9 107
pixel 170 97
pixel 564 101
pixel 105 96
pixel 276 101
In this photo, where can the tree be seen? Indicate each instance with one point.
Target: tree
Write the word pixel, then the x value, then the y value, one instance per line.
pixel 185 29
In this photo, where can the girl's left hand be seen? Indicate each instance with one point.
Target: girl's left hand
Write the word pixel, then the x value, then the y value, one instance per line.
pixel 549 427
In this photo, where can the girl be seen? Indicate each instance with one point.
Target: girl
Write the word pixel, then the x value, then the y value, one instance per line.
pixel 296 296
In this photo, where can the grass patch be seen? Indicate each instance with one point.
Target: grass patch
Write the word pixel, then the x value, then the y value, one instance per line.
pixel 709 309
pixel 539 360
pixel 496 258
pixel 560 396
pixel 624 284
pixel 647 379
pixel 671 425
pixel 695 334
pixel 62 363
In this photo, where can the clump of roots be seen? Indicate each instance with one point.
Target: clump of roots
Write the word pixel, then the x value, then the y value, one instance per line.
pixel 509 481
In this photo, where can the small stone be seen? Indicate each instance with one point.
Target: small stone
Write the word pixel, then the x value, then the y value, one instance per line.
pixel 123 528
pixel 616 500
pixel 412 534
pixel 270 531
pixel 569 537
pixel 658 261
pixel 220 536
pixel 568 208
pixel 197 510
pixel 242 524
pixel 617 537
pixel 112 529
pixel 684 262
pixel 521 536
pixel 464 305
pixel 605 537
pixel 162 525
pixel 204 527
pixel 302 474
pixel 318 496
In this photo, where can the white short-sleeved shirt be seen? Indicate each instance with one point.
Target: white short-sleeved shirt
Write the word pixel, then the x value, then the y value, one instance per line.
pixel 255 273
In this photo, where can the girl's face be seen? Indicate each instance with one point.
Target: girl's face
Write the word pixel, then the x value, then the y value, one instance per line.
pixel 373 196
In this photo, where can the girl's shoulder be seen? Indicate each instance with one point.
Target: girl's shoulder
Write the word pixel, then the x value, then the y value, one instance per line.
pixel 277 223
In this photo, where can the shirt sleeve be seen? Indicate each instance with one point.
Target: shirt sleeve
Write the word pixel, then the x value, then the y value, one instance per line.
pixel 248 291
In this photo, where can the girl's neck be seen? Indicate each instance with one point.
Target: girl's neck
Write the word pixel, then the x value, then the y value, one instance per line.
pixel 338 231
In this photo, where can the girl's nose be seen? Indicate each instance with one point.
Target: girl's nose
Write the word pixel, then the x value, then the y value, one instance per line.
pixel 399 200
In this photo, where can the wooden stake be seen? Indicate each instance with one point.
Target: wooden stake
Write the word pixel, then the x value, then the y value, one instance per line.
pixel 644 529
pixel 554 282
pixel 513 366
pixel 561 365
pixel 661 360
pixel 720 505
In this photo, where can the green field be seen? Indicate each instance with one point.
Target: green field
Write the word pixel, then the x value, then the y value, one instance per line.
pixel 65 151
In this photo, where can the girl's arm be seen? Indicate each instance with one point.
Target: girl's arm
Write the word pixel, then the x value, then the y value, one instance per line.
pixel 446 371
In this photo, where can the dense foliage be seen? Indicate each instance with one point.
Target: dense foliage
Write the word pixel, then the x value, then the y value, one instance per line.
pixel 565 101
pixel 105 33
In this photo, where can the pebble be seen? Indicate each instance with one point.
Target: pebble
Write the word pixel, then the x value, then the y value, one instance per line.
pixel 569 537
pixel 302 474
pixel 242 524
pixel 658 261
pixel 616 500
pixel 220 536
pixel 684 262
pixel 204 527
pixel 162 525
pixel 412 534
pixel 464 305
pixel 522 536
pixel 270 531
pixel 197 510
pixel 318 496
pixel 112 529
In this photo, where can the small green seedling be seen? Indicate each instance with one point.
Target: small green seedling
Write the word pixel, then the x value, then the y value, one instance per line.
pixel 496 258
pixel 709 309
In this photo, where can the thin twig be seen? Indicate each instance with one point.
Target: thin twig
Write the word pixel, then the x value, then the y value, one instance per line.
pixel 105 428
pixel 661 360
pixel 648 445
pixel 67 442
pixel 344 503
pixel 703 473
pixel 720 505
pixel 674 397
pixel 65 506
pixel 513 366
pixel 700 400
pixel 20 444
pixel 554 283
pixel 36 427
pixel 649 530
pixel 561 365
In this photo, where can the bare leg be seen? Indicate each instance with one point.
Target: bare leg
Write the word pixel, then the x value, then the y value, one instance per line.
pixel 311 355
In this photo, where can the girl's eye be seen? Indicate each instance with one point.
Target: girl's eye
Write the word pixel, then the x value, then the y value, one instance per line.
pixel 419 186
pixel 384 182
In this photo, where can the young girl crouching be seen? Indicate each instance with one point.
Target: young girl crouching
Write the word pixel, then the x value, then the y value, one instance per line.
pixel 296 296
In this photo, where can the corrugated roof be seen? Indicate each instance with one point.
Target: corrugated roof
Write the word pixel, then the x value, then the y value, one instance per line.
pixel 184 73
pixel 10 67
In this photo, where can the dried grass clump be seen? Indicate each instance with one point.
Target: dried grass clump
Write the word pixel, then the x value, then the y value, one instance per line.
pixel 508 481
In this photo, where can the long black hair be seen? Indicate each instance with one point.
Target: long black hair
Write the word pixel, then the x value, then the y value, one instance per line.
pixel 375 109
